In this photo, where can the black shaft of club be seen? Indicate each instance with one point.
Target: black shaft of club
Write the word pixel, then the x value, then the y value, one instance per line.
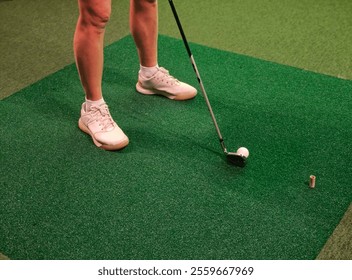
pixel 197 74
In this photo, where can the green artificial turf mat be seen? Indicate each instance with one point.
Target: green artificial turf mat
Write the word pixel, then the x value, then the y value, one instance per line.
pixel 170 194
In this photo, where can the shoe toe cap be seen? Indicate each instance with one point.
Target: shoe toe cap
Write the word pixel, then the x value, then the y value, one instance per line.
pixel 114 137
pixel 184 91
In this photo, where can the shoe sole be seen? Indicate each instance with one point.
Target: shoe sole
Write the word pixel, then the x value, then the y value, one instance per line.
pixel 179 97
pixel 107 147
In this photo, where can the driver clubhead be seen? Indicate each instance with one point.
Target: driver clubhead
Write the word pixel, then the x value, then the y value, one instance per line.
pixel 236 159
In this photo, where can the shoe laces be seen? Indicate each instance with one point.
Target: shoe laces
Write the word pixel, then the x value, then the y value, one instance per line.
pixel 169 79
pixel 102 115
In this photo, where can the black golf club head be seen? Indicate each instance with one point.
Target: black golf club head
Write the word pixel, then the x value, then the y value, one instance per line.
pixel 236 159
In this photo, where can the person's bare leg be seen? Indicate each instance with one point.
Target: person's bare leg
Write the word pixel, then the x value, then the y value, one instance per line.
pixel 95 117
pixel 144 29
pixel 153 79
pixel 89 44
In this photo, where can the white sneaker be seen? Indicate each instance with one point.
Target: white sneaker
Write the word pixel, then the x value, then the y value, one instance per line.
pixel 98 123
pixel 162 83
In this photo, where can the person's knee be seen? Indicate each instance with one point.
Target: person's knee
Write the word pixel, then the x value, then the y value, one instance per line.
pixel 144 3
pixel 95 14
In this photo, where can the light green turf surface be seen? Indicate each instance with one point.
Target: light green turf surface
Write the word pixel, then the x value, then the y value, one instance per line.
pixel 339 246
pixel 309 34
pixel 3 257
pixel 36 38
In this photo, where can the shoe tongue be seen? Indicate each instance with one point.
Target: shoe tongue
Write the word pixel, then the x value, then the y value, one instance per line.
pixel 97 103
pixel 104 115
pixel 108 121
pixel 91 105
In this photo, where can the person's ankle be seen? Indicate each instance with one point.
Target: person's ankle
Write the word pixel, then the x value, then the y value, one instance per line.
pixel 148 72
pixel 90 103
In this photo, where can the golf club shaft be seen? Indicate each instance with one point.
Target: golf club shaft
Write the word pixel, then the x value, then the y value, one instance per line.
pixel 197 74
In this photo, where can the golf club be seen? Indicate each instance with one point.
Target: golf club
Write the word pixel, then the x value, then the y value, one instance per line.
pixel 234 158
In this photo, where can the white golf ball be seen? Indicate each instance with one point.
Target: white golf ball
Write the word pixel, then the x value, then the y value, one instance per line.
pixel 243 152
